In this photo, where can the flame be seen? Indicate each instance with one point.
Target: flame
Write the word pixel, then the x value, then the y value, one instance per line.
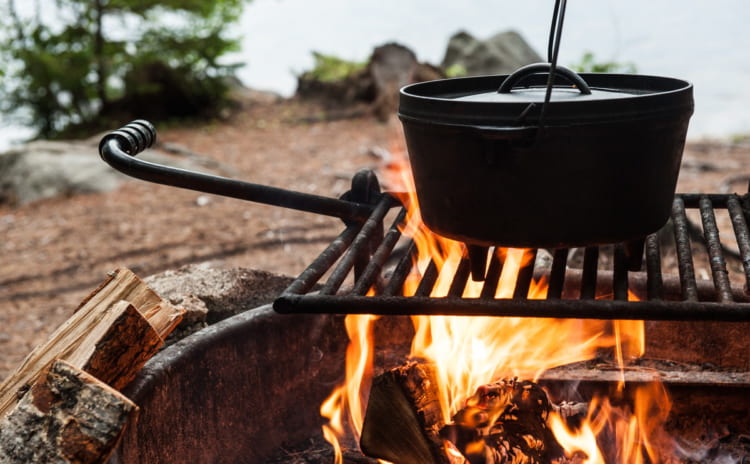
pixel 346 401
pixel 471 351
pixel 636 427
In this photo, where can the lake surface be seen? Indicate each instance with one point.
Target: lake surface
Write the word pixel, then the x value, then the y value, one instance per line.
pixel 706 42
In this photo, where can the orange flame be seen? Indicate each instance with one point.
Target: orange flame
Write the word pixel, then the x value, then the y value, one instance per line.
pixel 471 351
pixel 636 429
pixel 347 398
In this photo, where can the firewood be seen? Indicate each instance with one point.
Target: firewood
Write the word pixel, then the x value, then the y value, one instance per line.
pixel 123 284
pixel 503 422
pixel 403 417
pixel 67 416
pixel 116 349
pixel 105 336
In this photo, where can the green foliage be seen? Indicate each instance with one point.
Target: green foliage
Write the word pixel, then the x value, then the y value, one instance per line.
pixel 456 70
pixel 589 64
pixel 329 68
pixel 114 59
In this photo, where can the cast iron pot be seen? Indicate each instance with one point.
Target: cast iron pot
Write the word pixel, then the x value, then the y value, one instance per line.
pixel 600 168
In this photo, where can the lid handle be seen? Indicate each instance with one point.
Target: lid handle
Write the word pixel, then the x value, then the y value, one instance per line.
pixel 536 68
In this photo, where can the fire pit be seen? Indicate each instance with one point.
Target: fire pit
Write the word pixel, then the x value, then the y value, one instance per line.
pixel 251 386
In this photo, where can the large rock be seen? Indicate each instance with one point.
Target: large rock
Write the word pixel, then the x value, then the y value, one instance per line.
pixel 44 169
pixel 502 53
pixel 209 292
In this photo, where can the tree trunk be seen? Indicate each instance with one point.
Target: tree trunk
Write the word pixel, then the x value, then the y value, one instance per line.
pixel 101 64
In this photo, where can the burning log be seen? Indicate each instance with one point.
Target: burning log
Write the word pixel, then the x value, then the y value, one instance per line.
pixel 67 416
pixel 403 418
pixel 503 422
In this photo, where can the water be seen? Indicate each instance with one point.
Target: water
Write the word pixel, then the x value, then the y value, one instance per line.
pixel 705 42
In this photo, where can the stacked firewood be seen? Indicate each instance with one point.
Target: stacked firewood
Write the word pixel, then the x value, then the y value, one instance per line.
pixel 63 403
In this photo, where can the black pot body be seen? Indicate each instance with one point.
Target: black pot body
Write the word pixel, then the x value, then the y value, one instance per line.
pixel 563 185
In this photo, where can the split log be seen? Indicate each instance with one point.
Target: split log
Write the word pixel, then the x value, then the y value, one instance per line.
pixel 113 332
pixel 117 347
pixel 403 417
pixel 67 416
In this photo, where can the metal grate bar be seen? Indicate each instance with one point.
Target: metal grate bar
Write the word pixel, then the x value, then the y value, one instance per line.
pixel 310 276
pixel 692 200
pixel 428 280
pixel 557 274
pixel 713 300
pixel 654 281
pixel 590 266
pixel 493 276
pixel 742 234
pixel 361 241
pixel 459 280
pixel 684 254
pixel 716 257
pixel 620 274
pixel 573 309
pixel 525 274
pixel 371 272
pixel 396 283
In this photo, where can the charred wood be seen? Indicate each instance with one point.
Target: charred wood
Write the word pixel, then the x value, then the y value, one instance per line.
pixel 503 422
pixel 403 418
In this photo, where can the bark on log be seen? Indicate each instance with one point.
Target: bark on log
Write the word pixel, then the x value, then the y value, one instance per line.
pixel 110 338
pixel 67 416
pixel 403 418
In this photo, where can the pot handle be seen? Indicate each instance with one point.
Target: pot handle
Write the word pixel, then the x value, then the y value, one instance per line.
pixel 536 68
pixel 119 148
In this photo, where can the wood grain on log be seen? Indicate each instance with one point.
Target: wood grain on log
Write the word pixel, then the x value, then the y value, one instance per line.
pixel 123 284
pixel 403 418
pixel 67 416
pixel 116 349
pixel 111 337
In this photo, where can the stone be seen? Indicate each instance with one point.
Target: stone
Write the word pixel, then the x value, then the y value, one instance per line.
pixel 46 169
pixel 210 293
pixel 502 53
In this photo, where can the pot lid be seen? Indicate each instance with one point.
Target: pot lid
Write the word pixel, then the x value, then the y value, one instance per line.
pixel 611 97
pixel 537 93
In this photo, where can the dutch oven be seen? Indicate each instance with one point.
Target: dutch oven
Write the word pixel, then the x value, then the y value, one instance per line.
pixel 494 164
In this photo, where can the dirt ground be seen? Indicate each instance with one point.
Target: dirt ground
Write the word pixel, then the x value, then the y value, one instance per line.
pixel 54 252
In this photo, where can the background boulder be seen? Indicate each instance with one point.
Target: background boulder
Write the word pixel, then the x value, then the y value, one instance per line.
pixel 46 169
pixel 502 53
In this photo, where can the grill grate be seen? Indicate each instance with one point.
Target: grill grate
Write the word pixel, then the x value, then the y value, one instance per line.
pixel 361 251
